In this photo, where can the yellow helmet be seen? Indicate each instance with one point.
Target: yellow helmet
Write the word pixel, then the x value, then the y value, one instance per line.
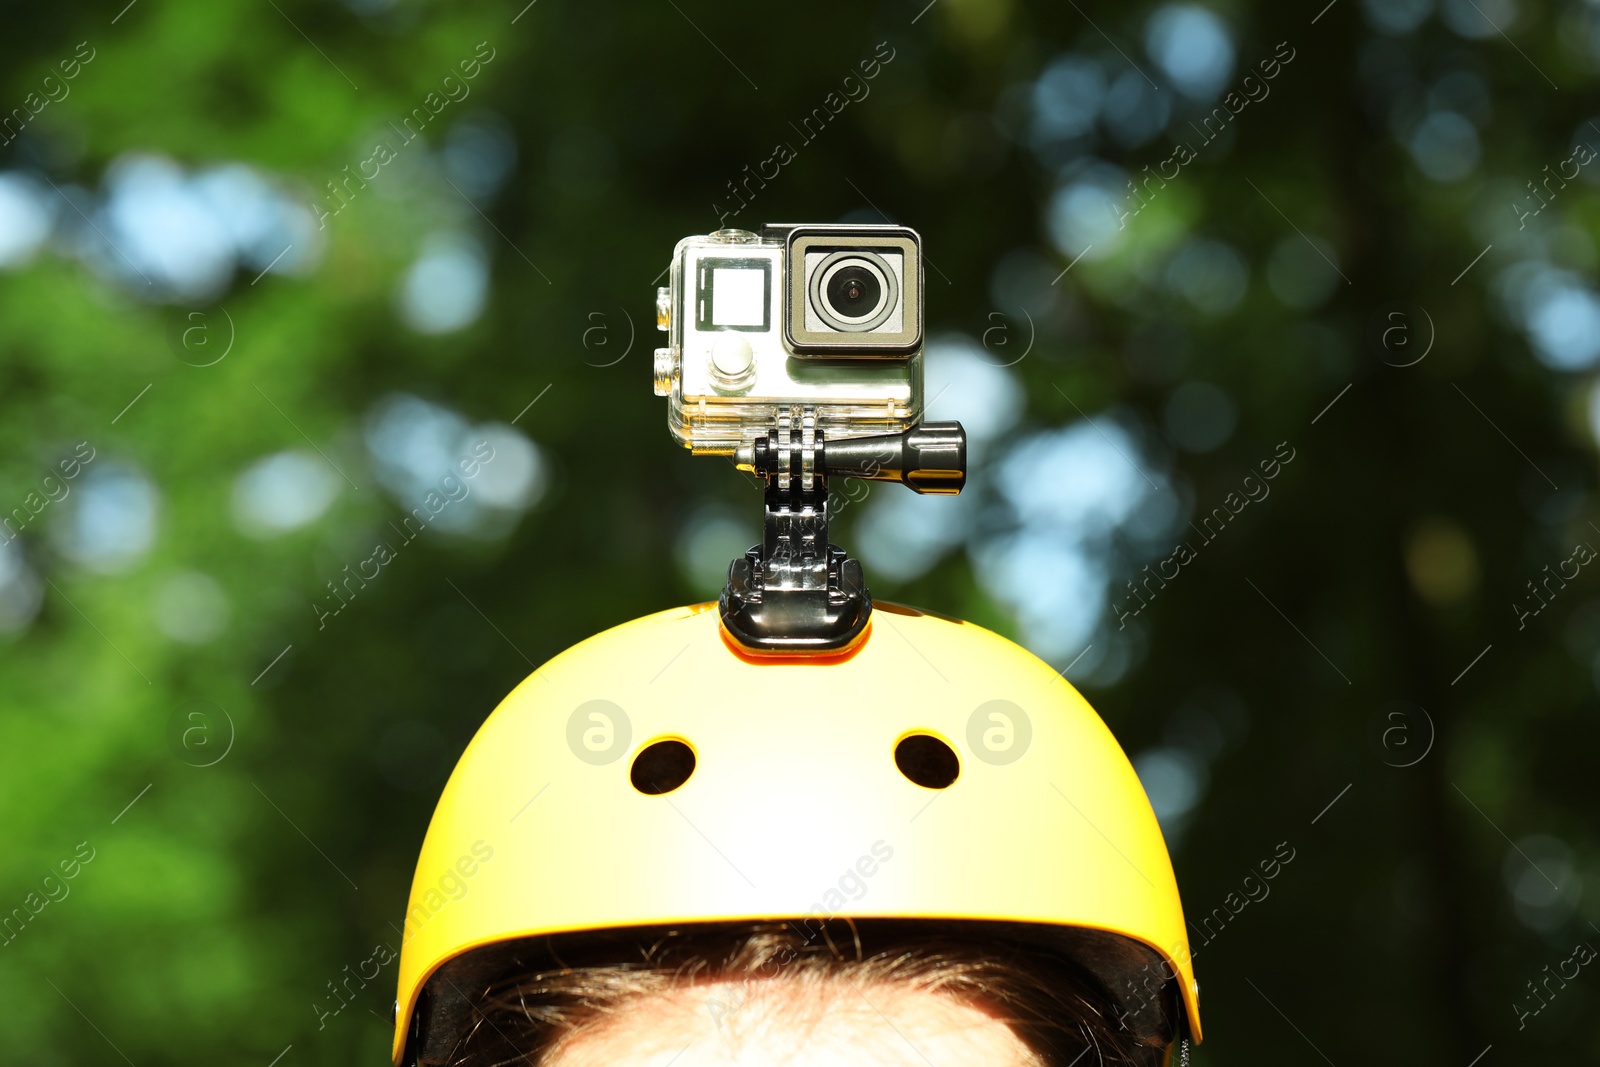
pixel 658 773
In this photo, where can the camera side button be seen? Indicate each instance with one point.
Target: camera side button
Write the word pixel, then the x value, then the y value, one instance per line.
pixel 666 370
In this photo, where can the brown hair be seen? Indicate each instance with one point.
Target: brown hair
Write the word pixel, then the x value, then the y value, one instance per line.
pixel 534 1006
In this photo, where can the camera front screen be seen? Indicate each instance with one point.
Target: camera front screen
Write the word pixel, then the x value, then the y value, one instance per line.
pixel 734 294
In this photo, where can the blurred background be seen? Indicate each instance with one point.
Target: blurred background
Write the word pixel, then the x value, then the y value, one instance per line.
pixel 1274 327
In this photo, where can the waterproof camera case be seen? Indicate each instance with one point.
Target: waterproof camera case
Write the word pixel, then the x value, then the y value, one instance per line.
pixel 827 318
pixel 798 352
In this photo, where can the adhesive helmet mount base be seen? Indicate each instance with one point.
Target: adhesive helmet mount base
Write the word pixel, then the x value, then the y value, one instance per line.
pixel 796 592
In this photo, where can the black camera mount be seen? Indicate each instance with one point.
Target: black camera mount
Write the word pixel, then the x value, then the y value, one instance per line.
pixel 796 592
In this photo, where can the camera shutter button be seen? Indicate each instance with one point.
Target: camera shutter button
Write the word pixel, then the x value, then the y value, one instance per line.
pixel 731 359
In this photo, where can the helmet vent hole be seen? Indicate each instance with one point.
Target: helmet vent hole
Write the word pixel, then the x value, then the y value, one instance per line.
pixel 662 767
pixel 927 761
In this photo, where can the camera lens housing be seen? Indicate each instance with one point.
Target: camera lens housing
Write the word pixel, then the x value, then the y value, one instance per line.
pixel 854 290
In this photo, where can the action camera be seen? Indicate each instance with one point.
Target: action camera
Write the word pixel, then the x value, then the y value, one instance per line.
pixel 826 318
pixel 797 351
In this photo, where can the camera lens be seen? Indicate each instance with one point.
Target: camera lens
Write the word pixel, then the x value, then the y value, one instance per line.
pixel 853 291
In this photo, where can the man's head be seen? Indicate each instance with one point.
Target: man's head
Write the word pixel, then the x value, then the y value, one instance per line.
pixel 765 994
